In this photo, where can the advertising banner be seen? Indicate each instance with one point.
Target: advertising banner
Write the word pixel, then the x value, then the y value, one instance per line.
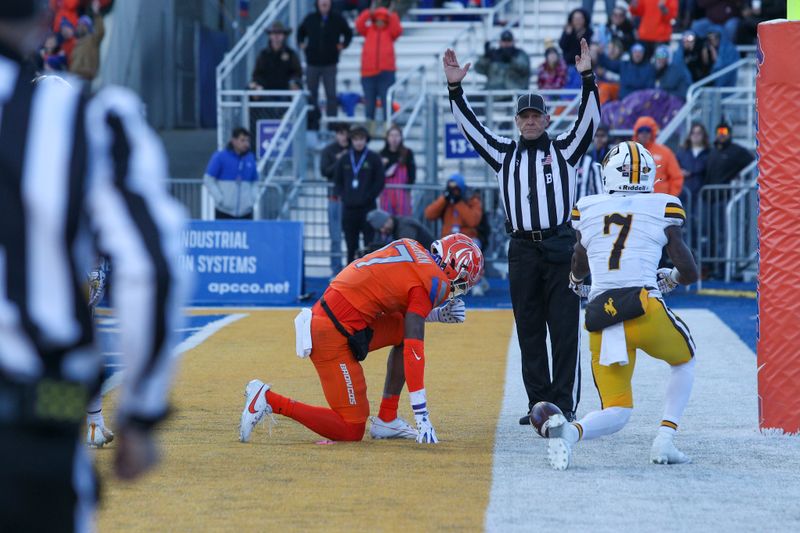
pixel 242 262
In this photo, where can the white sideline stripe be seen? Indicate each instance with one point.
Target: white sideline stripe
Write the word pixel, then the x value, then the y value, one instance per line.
pixel 612 487
pixel 189 343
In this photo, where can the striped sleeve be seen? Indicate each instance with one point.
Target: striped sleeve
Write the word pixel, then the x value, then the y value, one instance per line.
pixel 574 143
pixel 674 213
pixel 489 146
pixel 138 226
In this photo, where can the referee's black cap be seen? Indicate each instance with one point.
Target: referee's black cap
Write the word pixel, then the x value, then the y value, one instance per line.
pixel 531 101
pixel 20 9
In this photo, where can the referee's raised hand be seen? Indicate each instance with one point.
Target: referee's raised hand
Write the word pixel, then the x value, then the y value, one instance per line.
pixel 452 71
pixel 583 62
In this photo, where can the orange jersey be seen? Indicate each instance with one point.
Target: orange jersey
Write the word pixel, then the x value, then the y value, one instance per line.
pixel 380 282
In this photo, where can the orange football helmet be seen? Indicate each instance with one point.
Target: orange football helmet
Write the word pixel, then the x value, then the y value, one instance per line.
pixel 461 261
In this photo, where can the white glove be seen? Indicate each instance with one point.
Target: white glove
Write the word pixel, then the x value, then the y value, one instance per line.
pixel 425 432
pixel 578 287
pixel 667 279
pixel 453 312
pixel 97 286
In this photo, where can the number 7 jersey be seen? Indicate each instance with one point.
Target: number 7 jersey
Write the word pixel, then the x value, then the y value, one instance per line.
pixel 624 237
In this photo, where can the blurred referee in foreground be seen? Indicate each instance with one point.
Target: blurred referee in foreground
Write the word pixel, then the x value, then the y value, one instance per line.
pixel 75 171
pixel 537 178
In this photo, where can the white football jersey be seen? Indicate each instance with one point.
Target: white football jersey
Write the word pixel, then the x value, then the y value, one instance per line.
pixel 624 236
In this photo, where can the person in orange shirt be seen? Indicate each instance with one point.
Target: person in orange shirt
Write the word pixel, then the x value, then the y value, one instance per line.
pixel 655 26
pixel 459 211
pixel 380 28
pixel 380 300
pixel 669 178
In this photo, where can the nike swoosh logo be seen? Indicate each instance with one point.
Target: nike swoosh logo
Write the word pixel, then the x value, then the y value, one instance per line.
pixel 415 355
pixel 252 406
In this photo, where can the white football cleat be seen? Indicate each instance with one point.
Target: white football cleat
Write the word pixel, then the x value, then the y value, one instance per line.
pixel 255 407
pixel 98 436
pixel 664 452
pixel 396 429
pixel 559 448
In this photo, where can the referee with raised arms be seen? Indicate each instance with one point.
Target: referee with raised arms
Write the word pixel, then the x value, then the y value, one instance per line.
pixel 78 175
pixel 537 178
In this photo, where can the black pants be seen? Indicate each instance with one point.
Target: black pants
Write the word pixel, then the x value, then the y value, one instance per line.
pixel 220 215
pixel 538 276
pixel 354 222
pixel 328 76
pixel 46 479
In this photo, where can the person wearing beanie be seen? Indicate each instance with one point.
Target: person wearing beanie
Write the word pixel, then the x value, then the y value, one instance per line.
pixel 389 228
pixel 506 67
pixel 85 59
pixel 727 158
pixel 358 181
pixel 671 76
pixel 634 74
pixel 459 209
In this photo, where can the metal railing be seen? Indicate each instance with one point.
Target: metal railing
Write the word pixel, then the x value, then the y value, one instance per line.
pixel 726 221
pixel 408 96
pixel 507 10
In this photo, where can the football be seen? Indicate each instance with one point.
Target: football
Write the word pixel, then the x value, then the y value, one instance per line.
pixel 539 415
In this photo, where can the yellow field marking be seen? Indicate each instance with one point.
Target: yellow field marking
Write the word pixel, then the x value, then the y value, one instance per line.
pixel 211 482
pixel 731 293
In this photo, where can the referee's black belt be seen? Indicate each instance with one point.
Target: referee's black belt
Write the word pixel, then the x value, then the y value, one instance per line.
pixel 536 235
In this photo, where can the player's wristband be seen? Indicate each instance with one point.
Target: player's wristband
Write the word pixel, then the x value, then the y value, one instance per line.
pixel 573 279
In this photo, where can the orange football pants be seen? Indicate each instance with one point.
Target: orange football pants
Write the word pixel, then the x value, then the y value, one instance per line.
pixel 341 376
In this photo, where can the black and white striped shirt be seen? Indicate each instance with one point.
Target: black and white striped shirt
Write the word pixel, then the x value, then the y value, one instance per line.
pixel 81 175
pixel 536 178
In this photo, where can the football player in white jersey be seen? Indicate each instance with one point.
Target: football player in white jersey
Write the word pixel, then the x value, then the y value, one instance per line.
pixel 620 238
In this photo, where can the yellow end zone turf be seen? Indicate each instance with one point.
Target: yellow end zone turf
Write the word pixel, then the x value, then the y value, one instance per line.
pixel 209 481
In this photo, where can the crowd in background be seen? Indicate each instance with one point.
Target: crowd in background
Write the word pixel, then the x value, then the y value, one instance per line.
pixel 74 43
pixel 643 79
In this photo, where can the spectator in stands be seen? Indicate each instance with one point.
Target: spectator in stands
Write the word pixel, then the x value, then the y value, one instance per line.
pixel 621 27
pixel 322 35
pixel 578 27
pixel 690 53
pixel 720 53
pixel 66 38
pixel 85 60
pixel 49 49
pixel 669 178
pixel 588 7
pixel 754 12
pixel 671 76
pixel 400 169
pixel 506 67
pixel 389 228
pixel 590 177
pixel 553 71
pixel 727 158
pixel 381 28
pixel 64 10
pixel 655 25
pixel 277 68
pixel 459 209
pixel 329 158
pixel 693 158
pixel 232 178
pixel 725 13
pixel 634 74
pixel 358 181
pixel 607 81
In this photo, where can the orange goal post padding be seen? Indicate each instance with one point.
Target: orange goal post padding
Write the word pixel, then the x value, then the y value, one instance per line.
pixel 778 139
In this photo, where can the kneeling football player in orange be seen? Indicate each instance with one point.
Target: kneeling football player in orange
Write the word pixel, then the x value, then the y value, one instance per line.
pixel 380 300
